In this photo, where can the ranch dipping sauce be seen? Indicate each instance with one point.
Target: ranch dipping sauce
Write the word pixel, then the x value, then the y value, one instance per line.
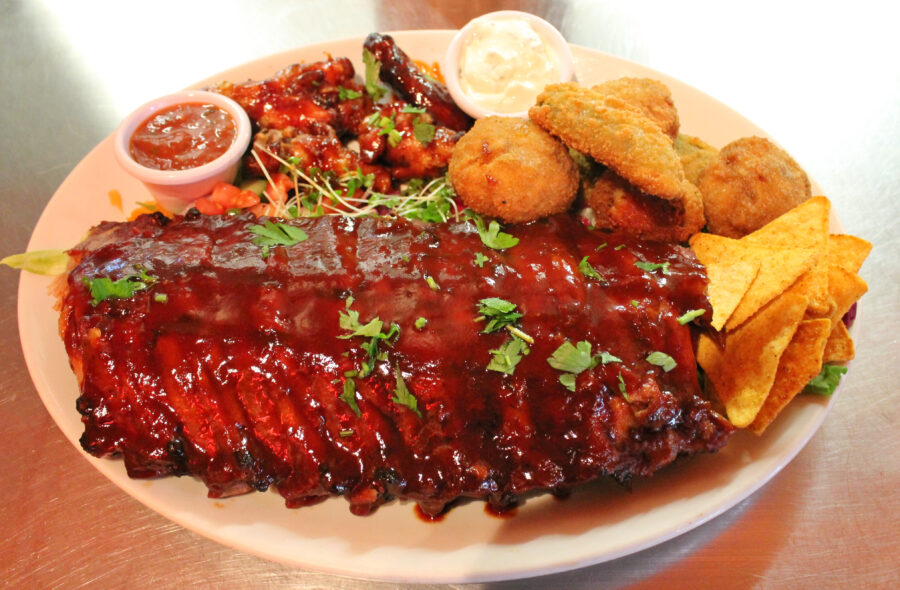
pixel 505 64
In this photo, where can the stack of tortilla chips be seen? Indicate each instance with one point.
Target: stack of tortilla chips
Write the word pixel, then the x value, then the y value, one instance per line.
pixel 778 296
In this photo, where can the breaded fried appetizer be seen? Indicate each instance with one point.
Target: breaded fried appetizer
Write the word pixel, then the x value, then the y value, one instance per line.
pixel 751 182
pixel 619 206
pixel 651 97
pixel 512 169
pixel 696 155
pixel 613 132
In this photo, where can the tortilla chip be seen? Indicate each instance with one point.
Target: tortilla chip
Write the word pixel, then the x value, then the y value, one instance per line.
pixel 839 348
pixel 804 226
pixel 801 361
pixel 845 288
pixel 847 252
pixel 727 285
pixel 742 374
pixel 779 268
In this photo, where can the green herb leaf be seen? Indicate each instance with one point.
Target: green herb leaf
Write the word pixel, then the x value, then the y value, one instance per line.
pixel 568 381
pixel 635 303
pixel 508 356
pixel 402 395
pixel 491 236
pixel 572 359
pixel 349 396
pixel 499 312
pixel 691 316
pixel 600 247
pixel 432 284
pixel 589 271
pixel 373 69
pixel 350 321
pixel 420 323
pixel 619 247
pixel 372 330
pixel 423 131
pixel 662 360
pixel 622 388
pixel 346 433
pixel 348 93
pixel 604 358
pixel 480 259
pixel 408 108
pixel 103 288
pixel 161 298
pixel 276 234
pixel 826 381
pixel 652 266
pixel 41 262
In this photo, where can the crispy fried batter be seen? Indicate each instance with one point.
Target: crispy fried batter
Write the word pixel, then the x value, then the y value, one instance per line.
pixel 612 132
pixel 751 182
pixel 651 97
pixel 695 154
pixel 621 207
pixel 512 169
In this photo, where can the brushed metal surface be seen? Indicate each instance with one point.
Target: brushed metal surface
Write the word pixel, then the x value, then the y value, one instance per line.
pixel 821 79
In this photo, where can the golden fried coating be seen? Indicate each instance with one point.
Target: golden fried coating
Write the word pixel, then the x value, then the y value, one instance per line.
pixel 512 169
pixel 696 155
pixel 613 132
pixel 619 206
pixel 751 182
pixel 651 97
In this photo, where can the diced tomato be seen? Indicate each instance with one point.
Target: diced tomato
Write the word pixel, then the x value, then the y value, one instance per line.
pixel 208 207
pixel 277 190
pixel 231 197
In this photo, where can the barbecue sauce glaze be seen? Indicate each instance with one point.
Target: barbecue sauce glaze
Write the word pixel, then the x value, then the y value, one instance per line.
pixel 230 366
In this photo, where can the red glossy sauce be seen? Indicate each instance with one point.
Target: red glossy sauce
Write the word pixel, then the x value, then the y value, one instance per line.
pixel 183 136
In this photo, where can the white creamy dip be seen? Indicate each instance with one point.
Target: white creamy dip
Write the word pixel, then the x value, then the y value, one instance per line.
pixel 505 64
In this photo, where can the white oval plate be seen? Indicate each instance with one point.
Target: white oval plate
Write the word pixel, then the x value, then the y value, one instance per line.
pixel 599 522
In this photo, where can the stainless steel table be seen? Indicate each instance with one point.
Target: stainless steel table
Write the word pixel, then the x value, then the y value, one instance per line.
pixel 823 80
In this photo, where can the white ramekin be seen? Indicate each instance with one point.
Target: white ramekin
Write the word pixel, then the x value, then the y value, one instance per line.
pixel 450 66
pixel 176 189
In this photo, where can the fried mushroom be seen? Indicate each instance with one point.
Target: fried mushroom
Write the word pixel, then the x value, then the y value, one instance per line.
pixel 512 169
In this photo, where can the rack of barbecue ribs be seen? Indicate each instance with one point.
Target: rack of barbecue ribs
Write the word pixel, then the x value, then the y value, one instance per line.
pixel 377 359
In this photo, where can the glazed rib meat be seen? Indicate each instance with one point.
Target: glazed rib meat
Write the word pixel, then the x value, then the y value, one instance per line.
pixel 250 365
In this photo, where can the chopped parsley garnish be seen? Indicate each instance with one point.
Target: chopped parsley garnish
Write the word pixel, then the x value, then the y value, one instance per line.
pixel 346 433
pixel 402 396
pixel 600 247
pixel 826 381
pixel 432 284
pixel 420 323
pixel 619 247
pixel 691 316
pixel 508 356
pixel 622 389
pixel 373 69
pixel 499 312
pixel 635 303
pixel 347 93
pixel 42 262
pixel 652 266
pixel 574 359
pixel 276 234
pixel 103 288
pixel 662 360
pixel 385 126
pixel 372 330
pixel 349 396
pixel 161 298
pixel 480 259
pixel 408 108
pixel 589 271
pixel 423 131
pixel 491 236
